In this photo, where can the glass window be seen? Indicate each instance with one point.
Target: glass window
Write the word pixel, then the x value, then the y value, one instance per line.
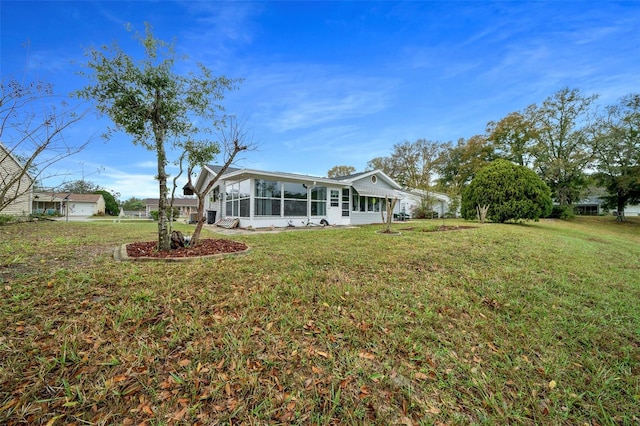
pixel 373 204
pixel 295 207
pixel 345 202
pixel 237 194
pixel 244 207
pixel 267 188
pixel 295 191
pixel 355 201
pixel 267 207
pixel 268 197
pixel 319 201
pixel 335 198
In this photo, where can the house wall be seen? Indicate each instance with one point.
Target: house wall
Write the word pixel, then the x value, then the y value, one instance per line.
pixel 9 169
pixel 239 199
pixel 632 210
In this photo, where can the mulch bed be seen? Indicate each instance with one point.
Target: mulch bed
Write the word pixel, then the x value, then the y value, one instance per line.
pixel 204 248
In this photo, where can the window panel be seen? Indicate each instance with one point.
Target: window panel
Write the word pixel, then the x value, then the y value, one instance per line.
pixel 244 207
pixel 295 207
pixel 267 207
pixel 267 188
pixel 295 191
pixel 319 193
pixel 318 208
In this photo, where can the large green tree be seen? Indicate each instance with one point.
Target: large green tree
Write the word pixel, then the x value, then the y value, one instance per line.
pixel 512 137
pixel 509 191
pixel 153 104
pixel 616 149
pixel 338 171
pixel 133 203
pixel 411 164
pixel 458 164
pixel 80 186
pixel 561 144
pixel 110 202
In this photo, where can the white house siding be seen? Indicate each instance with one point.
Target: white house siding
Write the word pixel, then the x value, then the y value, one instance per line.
pixel 9 170
pixel 632 210
pixel 355 199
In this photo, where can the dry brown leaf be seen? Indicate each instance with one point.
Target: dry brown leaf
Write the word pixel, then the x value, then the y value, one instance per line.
pixel 184 362
pixel 367 355
pixel 180 414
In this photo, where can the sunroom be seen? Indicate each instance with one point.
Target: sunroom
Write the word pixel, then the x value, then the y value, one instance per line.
pixel 263 199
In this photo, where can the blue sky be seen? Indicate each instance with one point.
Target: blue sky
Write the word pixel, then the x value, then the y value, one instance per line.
pixel 334 83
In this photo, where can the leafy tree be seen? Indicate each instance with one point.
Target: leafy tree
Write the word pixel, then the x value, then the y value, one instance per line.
pixel 411 164
pixel 511 138
pixel 153 104
pixel 508 191
pixel 133 203
pixel 338 171
pixel 33 121
pixel 616 150
pixel 457 165
pixel 80 187
pixel 561 146
pixel 110 202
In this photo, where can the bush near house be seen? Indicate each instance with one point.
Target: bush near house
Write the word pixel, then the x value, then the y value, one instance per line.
pixel 512 192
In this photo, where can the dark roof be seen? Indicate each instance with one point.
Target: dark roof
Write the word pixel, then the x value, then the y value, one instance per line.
pixel 216 169
pixel 351 176
pixel 78 198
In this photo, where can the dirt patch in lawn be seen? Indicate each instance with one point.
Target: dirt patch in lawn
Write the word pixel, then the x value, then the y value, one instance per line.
pixel 206 247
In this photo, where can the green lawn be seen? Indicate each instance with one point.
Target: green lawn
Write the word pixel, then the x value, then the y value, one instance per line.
pixel 500 324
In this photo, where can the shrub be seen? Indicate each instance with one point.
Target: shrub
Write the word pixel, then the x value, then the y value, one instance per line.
pixel 562 212
pixel 512 192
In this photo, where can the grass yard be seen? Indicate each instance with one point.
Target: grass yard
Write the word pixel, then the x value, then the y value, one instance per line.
pixel 535 324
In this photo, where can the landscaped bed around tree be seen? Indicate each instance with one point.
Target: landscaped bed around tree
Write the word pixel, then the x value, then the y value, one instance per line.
pixel 533 324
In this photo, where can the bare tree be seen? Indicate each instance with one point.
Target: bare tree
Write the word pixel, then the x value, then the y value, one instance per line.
pixel 234 138
pixel 32 125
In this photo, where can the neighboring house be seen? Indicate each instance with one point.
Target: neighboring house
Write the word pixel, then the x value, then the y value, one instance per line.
pixel 262 199
pixel 439 202
pixel 186 206
pixel 15 185
pixel 64 202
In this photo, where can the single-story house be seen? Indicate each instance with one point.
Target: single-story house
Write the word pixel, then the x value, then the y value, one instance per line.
pixel 262 199
pixel 185 206
pixel 438 202
pixel 16 185
pixel 63 202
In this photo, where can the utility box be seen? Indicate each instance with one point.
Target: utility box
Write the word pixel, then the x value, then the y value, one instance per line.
pixel 211 217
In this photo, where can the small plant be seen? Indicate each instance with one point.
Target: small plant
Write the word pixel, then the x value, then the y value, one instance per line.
pixel 6 219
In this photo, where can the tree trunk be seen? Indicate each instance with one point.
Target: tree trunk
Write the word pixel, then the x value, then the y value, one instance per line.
pixel 195 238
pixel 164 240
pixel 621 204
